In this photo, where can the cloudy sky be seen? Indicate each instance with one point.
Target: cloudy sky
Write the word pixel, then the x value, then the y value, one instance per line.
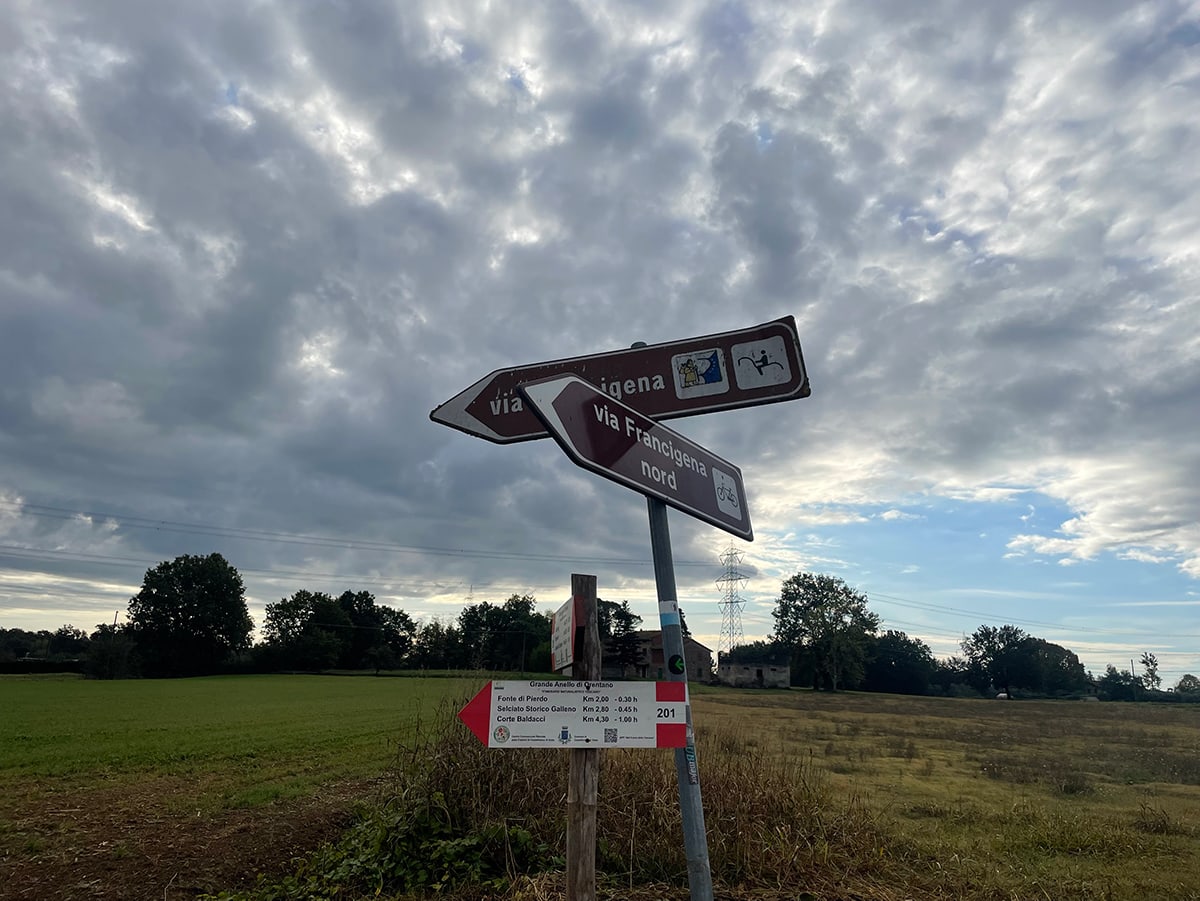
pixel 245 248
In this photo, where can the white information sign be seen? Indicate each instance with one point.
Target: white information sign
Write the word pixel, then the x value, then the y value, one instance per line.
pixel 562 636
pixel 568 714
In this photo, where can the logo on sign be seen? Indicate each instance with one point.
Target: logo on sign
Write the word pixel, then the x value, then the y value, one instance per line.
pixel 700 373
pixel 727 494
pixel 758 364
pixel 501 734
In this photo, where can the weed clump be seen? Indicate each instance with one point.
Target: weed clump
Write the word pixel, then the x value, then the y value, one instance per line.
pixel 1004 818
pixel 465 821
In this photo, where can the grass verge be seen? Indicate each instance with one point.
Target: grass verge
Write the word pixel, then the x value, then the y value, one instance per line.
pixel 114 790
pixel 926 814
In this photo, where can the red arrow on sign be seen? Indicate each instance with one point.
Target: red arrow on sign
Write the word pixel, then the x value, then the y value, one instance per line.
pixel 477 715
pixel 759 365
pixel 614 440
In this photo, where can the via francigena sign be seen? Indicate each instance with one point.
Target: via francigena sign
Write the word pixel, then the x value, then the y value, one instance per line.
pixel 742 368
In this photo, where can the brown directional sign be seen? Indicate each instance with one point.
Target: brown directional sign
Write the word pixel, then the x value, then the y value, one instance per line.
pixel 612 439
pixel 759 365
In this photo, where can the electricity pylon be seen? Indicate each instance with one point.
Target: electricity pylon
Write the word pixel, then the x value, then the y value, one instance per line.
pixel 731 604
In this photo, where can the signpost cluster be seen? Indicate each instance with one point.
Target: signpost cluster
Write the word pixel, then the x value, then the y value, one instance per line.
pixel 759 365
pixel 605 411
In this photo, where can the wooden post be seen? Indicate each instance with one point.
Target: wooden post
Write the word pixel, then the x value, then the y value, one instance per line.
pixel 584 778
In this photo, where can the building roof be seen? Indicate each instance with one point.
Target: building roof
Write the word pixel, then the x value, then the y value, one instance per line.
pixel 759 664
pixel 654 636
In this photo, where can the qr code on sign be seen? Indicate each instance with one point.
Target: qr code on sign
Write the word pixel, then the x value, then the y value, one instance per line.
pixel 610 736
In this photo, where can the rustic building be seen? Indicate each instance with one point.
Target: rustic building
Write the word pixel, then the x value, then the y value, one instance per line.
pixel 650 662
pixel 755 675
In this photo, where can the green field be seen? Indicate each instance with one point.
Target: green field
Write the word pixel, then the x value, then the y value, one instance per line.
pixel 189 785
pixel 240 739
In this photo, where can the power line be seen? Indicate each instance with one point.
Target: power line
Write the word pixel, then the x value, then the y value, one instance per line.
pixel 164 525
pixel 959 611
pixel 400 586
pixel 280 537
pixel 761 619
pixel 47 555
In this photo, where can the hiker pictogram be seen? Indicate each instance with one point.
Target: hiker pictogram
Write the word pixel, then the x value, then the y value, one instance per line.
pixel 700 373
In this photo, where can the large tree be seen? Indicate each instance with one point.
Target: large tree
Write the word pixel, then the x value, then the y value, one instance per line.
pixel 624 646
pixel 438 645
pixel 1058 670
pixel 18 643
pixel 324 637
pixel 112 652
pixel 954 675
pixel 1150 677
pixel 313 631
pixel 1006 658
pixel 68 641
pixel 286 619
pixel 190 616
pixel 503 637
pixel 827 625
pixel 605 611
pixel 756 652
pixel 366 627
pixel 1001 655
pixel 899 664
pixel 1118 685
pixel 397 631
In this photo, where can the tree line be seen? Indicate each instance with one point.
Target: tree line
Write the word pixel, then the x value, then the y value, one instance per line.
pixel 829 637
pixel 190 618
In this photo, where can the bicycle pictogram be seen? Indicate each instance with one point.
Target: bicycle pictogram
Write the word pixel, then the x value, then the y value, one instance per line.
pixel 727 493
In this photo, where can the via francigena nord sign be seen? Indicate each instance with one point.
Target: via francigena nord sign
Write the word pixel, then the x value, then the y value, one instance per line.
pixel 614 440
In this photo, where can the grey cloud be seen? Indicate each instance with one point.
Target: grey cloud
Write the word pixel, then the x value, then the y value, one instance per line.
pixel 613 117
pixel 247 250
pixel 786 200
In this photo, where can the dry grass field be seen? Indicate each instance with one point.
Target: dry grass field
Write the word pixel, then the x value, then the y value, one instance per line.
pixel 983 798
pixel 167 789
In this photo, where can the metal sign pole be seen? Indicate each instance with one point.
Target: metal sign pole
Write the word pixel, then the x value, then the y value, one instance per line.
pixel 695 839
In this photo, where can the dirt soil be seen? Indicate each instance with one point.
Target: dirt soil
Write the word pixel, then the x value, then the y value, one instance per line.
pixel 135 841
